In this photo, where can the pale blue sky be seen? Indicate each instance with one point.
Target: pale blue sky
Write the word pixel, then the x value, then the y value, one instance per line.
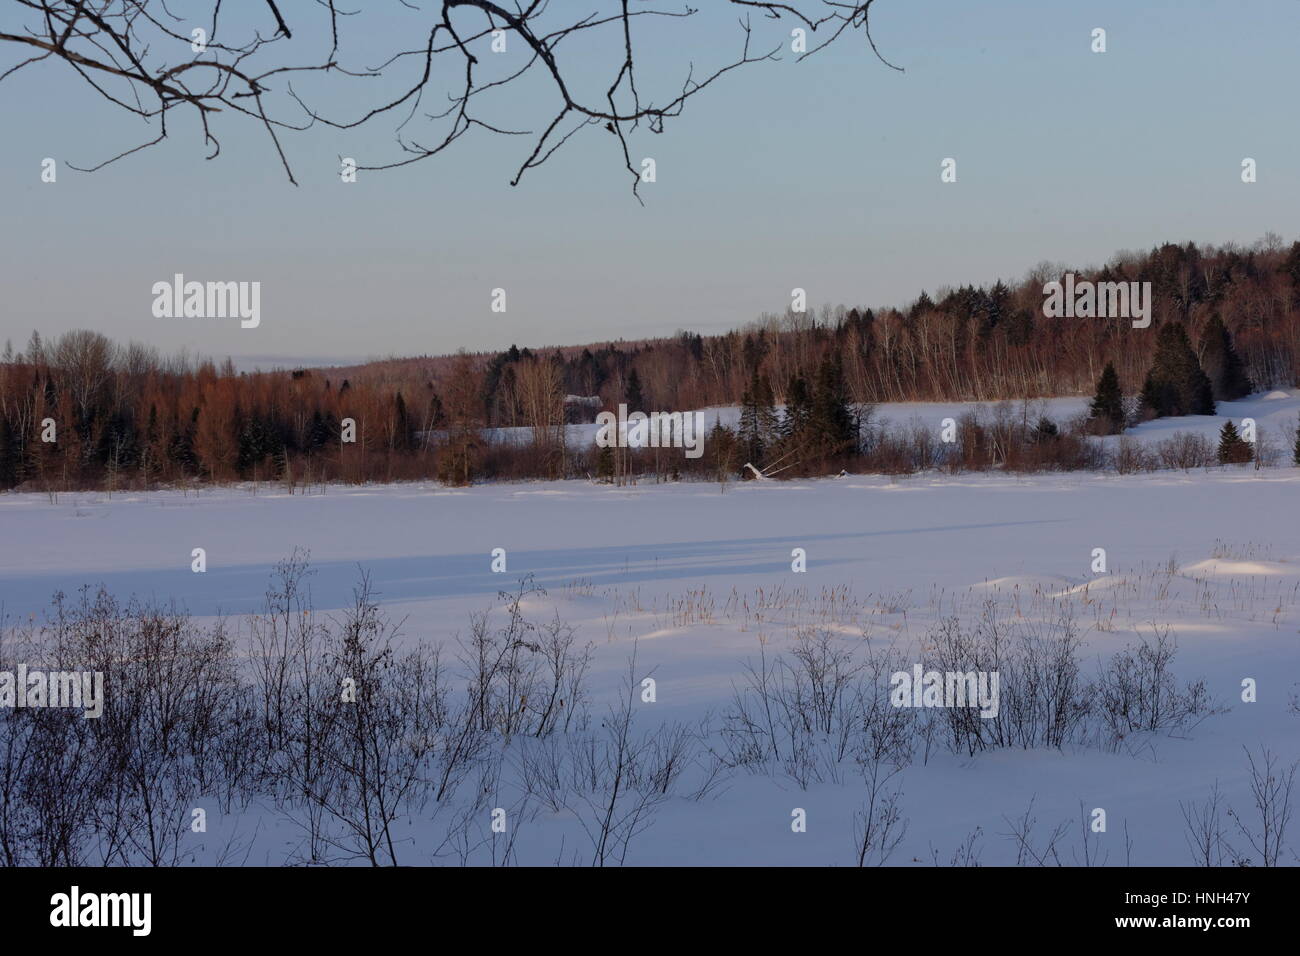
pixel 822 174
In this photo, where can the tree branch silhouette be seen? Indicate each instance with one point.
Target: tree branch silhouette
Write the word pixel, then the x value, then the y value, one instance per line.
pixel 127 51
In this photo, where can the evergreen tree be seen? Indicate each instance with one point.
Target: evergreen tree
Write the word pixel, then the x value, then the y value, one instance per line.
pixel 1295 456
pixel 635 398
pixel 119 444
pixel 722 449
pixel 1233 449
pixel 152 454
pixel 1292 268
pixel 10 454
pixel 403 427
pixel 798 410
pixel 498 382
pixel 922 305
pixel 1226 372
pixel 1107 407
pixel 319 433
pixel 181 443
pixel 759 427
pixel 605 465
pixel 436 415
pixel 1176 384
pixel 831 419
pixel 998 308
pixel 769 424
pixel 1045 431
pixel 256 443
pixel 751 439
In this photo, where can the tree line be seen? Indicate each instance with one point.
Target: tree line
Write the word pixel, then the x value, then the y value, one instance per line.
pixel 1225 320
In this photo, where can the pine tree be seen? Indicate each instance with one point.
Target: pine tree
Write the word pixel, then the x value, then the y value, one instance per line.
pixel 1295 457
pixel 1176 384
pixel 1107 407
pixel 1233 449
pixel 1226 372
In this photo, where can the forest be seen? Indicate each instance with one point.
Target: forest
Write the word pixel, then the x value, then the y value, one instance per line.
pixel 81 411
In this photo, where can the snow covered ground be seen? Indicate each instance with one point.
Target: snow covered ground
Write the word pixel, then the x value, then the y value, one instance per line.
pixel 695 577
pixel 1276 414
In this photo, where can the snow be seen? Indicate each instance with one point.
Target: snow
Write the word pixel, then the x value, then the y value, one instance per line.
pixel 1213 555
pixel 1276 414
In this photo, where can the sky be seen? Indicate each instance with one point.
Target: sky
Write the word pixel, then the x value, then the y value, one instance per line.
pixel 822 175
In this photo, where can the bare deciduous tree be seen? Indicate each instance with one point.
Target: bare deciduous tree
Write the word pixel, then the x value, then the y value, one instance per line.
pixel 147 61
pixel 1271 785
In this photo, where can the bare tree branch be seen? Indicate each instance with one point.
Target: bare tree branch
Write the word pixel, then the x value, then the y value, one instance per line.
pixel 126 51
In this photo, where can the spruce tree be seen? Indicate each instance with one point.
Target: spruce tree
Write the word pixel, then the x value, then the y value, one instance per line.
pixel 1107 407
pixel 1176 384
pixel 831 420
pixel 759 427
pixel 317 435
pixel 605 465
pixel 797 411
pixel 1233 449
pixel 751 438
pixel 769 423
pixel 721 446
pixel 1226 372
